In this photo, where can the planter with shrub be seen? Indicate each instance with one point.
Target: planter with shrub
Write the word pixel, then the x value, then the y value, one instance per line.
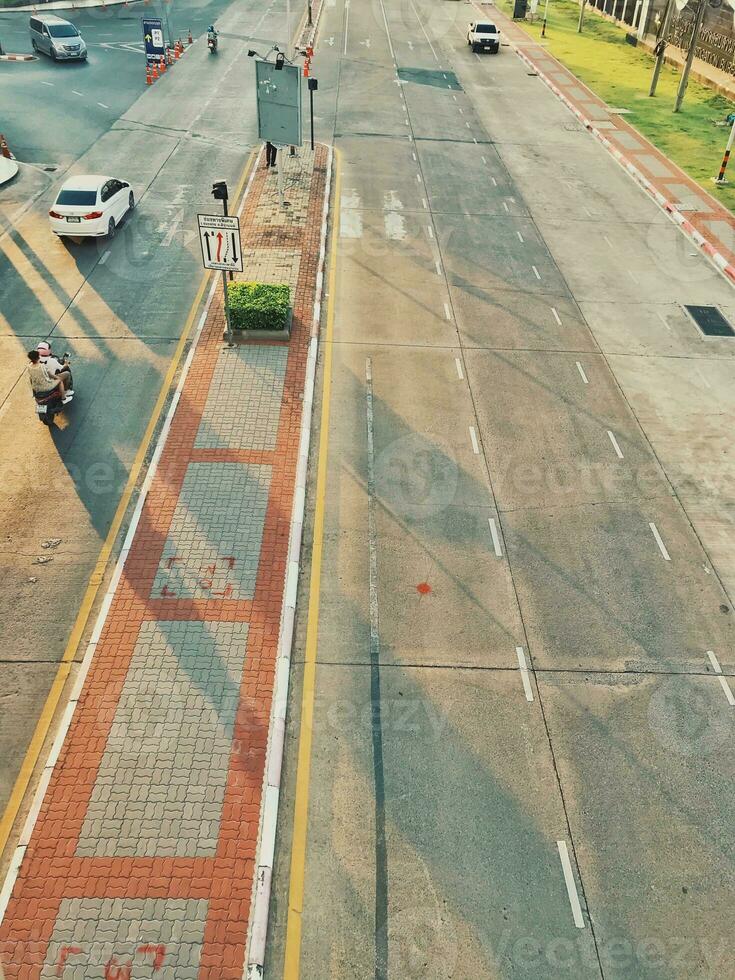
pixel 260 309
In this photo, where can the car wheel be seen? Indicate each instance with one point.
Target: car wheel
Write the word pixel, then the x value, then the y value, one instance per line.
pixel 34 46
pixel 474 48
pixel 111 228
pixel 53 54
pixel 131 201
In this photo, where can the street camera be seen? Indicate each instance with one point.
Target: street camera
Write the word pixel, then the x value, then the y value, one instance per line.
pixel 219 190
pixel 251 53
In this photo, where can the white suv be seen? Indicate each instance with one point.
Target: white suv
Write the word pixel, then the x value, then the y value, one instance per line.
pixel 483 36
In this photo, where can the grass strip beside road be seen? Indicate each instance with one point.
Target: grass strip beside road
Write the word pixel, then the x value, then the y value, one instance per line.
pixel 621 75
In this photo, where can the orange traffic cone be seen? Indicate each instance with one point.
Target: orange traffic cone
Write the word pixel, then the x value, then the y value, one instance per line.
pixel 177 50
pixel 154 71
pixel 162 66
pixel 191 39
pixel 4 148
pixel 148 75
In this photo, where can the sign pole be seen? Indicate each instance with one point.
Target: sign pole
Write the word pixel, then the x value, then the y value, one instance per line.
pixel 227 310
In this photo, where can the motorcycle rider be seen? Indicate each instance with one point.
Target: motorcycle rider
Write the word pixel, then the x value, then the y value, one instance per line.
pixel 41 382
pixel 56 368
pixel 212 36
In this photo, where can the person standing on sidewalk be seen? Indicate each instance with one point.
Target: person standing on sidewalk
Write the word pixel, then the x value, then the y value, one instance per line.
pixel 270 154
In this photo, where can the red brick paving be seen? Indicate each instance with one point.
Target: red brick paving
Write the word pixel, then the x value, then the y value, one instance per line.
pixel 50 871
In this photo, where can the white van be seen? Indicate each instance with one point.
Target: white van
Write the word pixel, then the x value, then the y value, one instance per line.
pixel 57 38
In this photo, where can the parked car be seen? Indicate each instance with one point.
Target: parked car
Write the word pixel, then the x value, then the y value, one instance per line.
pixel 483 36
pixel 91 206
pixel 56 37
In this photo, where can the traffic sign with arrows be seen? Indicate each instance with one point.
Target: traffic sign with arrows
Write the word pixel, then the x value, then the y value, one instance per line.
pixel 220 240
pixel 155 46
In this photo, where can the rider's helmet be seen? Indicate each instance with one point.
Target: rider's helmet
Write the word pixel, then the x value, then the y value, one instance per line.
pixel 44 349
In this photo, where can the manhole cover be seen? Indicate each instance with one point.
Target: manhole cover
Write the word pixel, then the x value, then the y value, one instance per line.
pixel 710 321
pixel 425 76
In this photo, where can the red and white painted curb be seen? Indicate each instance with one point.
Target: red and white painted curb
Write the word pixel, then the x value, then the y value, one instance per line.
pixel 18 57
pixel 260 903
pixel 720 261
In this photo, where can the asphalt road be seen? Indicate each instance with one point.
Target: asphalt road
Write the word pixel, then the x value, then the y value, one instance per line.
pixel 119 307
pixel 522 759
pixel 53 112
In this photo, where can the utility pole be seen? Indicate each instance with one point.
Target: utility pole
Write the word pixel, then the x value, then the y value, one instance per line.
pixel 690 55
pixel 660 49
pixel 582 5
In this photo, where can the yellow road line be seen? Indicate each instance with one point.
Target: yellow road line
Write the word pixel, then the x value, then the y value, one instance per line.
pixel 292 958
pixel 95 580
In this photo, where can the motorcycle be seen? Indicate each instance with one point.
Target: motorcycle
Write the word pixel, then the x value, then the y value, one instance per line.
pixel 47 406
pixel 212 43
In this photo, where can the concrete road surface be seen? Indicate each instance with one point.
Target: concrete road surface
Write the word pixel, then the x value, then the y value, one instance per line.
pixel 522 758
pixel 119 307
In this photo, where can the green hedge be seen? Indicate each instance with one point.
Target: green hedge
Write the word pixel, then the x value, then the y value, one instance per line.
pixel 258 306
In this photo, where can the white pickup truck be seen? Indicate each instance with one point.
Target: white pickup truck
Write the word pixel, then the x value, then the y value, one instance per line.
pixel 483 36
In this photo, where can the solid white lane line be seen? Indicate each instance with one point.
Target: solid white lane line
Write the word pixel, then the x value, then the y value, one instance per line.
pixel 614 441
pixel 520 237
pixel 473 439
pixel 525 679
pixel 723 681
pixel 659 542
pixel 347 20
pixel 458 365
pixel 447 311
pixel 581 371
pixel 495 536
pixel 536 272
pixel 105 257
pixel 387 33
pixel 423 30
pixel 556 316
pixel 571 884
pixel 102 104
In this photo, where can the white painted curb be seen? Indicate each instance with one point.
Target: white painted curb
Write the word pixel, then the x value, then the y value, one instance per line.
pixel 719 260
pixel 71 706
pixel 260 902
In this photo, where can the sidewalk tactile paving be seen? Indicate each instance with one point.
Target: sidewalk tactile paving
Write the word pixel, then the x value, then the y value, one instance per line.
pixel 213 544
pixel 162 778
pixel 99 939
pixel 244 403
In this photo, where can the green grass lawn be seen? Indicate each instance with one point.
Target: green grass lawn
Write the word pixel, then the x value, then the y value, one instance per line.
pixel 621 75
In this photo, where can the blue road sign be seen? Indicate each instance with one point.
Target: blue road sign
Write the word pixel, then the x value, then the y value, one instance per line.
pixel 155 46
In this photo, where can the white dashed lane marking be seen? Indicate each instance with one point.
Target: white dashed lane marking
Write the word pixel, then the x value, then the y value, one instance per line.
pixel 659 541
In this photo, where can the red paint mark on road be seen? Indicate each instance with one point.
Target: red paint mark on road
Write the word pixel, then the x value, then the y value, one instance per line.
pixel 172 560
pixel 158 953
pixel 423 588
pixel 64 954
pixel 230 561
pixel 226 593
pixel 167 593
pixel 118 971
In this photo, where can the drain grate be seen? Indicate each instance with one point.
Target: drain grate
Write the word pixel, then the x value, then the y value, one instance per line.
pixel 710 321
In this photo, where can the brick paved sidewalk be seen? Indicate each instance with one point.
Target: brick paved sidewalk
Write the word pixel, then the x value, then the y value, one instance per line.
pixel 711 226
pixel 141 862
